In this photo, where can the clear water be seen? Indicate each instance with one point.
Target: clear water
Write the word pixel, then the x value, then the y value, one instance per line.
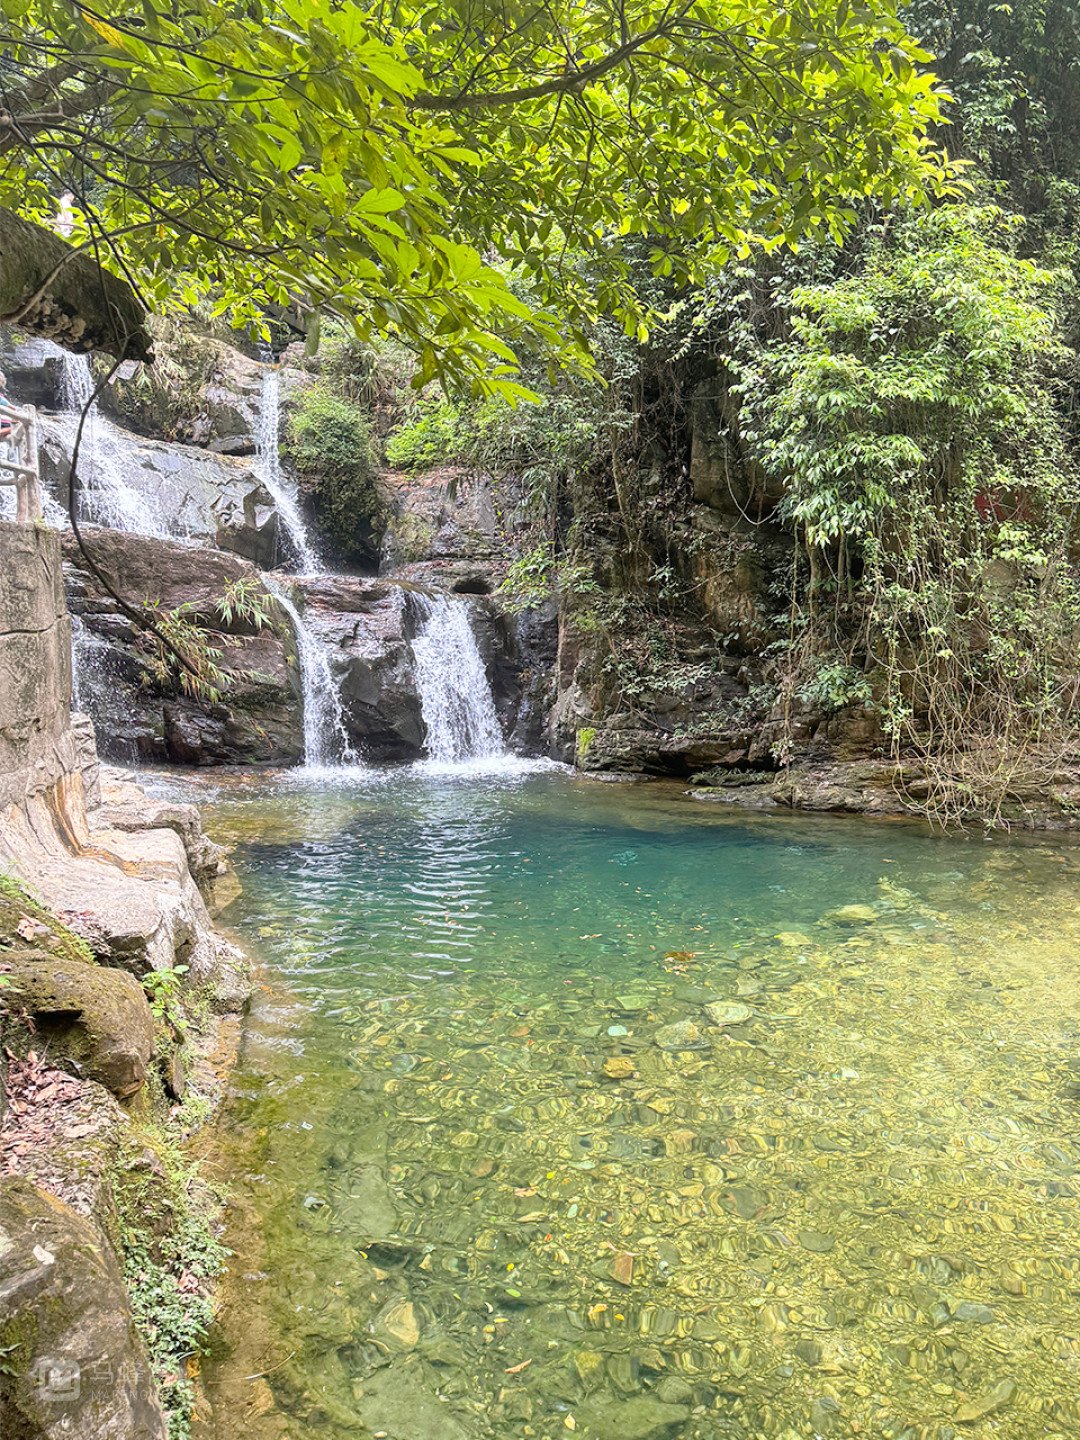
pixel 475 1197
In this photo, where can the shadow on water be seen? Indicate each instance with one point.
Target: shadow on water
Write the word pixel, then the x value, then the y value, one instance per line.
pixel 579 1108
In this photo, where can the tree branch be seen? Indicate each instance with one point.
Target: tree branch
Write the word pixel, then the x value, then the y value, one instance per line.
pixel 557 85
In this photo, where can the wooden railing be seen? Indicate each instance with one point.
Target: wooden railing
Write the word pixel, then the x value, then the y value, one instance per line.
pixel 19 459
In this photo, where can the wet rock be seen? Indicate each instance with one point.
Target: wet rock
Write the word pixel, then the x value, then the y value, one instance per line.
pixel 622 1268
pixel 852 915
pixel 398 1322
pixel 215 499
pixel 817 1242
pixel 674 1390
pixel 368 1207
pixel 400 1401
pixel 73 1363
pixel 728 1012
pixel 95 1020
pixel 824 1414
pixel 989 1403
pixel 974 1314
pixel 681 1035
pixel 588 1366
pixel 261 716
pixel 365 626
pixel 640 1418
pixel 809 1351
pixel 747 1201
pixel 619 1067
pixel 632 1004
pixel 792 939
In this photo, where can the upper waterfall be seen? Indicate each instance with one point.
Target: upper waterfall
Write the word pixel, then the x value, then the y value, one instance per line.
pixel 456 701
pixel 107 497
pixel 267 441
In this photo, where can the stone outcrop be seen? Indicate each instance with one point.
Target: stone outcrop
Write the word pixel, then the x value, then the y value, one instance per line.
pixel 62 293
pixel 259 718
pixel 127 888
pixel 37 747
pixel 448 528
pixel 73 1364
pixel 366 626
pixel 212 499
pixel 94 1019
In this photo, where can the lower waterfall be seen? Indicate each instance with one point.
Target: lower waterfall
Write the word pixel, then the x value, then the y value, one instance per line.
pixel 456 702
pixel 326 740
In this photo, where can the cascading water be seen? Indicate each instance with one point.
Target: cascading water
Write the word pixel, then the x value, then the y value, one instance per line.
pixel 326 740
pixel 456 702
pixel 107 498
pixel 266 447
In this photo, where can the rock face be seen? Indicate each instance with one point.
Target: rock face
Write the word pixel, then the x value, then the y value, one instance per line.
pixel 444 529
pixel 129 890
pixel 74 1365
pixel 365 625
pixel 88 850
pixel 260 717
pixel 36 745
pixel 193 493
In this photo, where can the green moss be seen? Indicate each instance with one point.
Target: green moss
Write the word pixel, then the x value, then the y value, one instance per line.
pixel 329 443
pixel 585 737
pixel 17 905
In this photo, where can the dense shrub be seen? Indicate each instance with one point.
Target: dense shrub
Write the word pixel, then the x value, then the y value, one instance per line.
pixel 328 441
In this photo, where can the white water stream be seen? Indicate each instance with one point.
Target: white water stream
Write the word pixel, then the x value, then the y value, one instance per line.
pixel 326 740
pixel 267 442
pixel 105 460
pixel 455 696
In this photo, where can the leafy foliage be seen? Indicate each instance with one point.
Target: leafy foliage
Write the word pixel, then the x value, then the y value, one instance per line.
pixel 913 421
pixel 165 1217
pixel 182 632
pixel 164 989
pixel 362 159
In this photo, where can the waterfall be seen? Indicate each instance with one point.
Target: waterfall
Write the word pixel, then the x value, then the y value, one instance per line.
pixel 326 740
pixel 455 698
pixel 267 449
pixel 107 498
pixel 98 690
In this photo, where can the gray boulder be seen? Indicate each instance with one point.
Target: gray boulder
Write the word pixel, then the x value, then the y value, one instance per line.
pixel 366 626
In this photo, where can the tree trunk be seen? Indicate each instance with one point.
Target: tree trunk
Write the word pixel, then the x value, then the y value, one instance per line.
pixel 62 294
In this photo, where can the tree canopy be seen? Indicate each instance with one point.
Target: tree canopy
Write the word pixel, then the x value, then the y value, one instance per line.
pixel 377 161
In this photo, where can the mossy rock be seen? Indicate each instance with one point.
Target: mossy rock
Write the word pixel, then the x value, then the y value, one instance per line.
pixel 73 1363
pixel 95 1021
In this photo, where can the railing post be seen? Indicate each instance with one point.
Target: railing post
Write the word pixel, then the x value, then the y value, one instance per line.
pixel 21 464
pixel 34 462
